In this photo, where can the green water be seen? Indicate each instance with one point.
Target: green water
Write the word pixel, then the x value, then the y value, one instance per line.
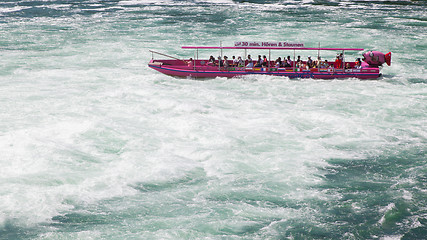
pixel 96 145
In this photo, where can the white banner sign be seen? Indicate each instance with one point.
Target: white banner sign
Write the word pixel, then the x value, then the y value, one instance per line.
pixel 268 44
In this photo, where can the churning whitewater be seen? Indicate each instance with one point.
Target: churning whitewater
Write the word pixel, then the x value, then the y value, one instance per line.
pixel 96 145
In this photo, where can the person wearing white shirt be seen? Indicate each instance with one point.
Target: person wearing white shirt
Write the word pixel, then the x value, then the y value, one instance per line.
pixel 250 62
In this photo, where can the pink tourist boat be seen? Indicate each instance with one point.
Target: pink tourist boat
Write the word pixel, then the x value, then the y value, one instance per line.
pixel 368 68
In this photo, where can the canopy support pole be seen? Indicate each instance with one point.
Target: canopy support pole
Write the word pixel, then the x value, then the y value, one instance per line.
pixel 220 54
pixel 343 61
pixel 318 61
pixel 194 59
pixel 293 64
pixel 220 44
pixel 244 57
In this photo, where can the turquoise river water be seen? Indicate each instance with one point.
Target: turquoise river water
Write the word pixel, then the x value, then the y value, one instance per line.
pixel 96 145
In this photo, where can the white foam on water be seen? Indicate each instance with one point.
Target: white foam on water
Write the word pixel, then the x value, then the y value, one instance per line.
pixel 12 9
pixel 85 121
pixel 135 2
pixel 32 175
pixel 392 237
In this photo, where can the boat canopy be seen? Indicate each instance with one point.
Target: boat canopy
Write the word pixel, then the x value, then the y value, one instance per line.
pixel 275 48
pixel 271 46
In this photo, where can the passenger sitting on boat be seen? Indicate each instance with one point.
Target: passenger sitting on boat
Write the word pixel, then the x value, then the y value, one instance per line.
pixel 211 61
pixel 259 62
pixel 347 66
pixel 310 63
pixel 299 59
pixel 240 62
pixel 226 61
pixel 250 62
pixel 220 61
pixel 279 62
pixel 190 62
pixel 358 64
pixel 235 61
pixel 326 64
pixel 264 61
pixel 318 63
pixel 288 62
pixel 300 64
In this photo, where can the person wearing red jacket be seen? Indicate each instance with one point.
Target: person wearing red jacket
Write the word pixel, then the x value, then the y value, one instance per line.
pixel 338 62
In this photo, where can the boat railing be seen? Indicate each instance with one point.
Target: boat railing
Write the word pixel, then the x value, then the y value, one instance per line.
pixel 169 56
